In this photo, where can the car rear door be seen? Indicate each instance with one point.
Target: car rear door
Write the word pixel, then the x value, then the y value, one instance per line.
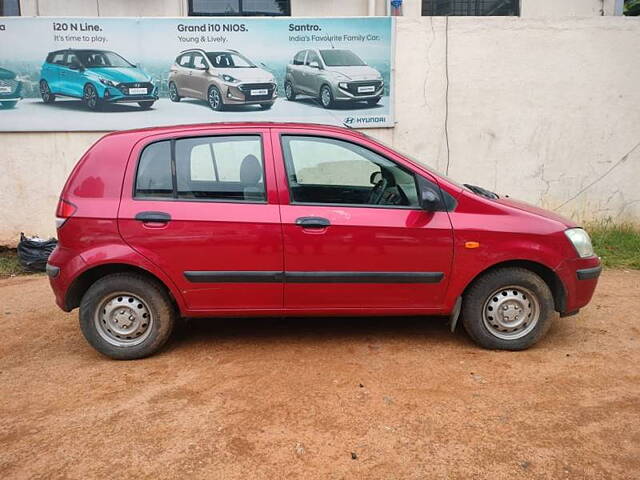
pixel 203 208
pixel 342 254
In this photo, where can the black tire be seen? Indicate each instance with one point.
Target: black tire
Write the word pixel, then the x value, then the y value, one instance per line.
pixel 146 105
pixel 373 101
pixel 45 92
pixel 10 104
pixel 266 106
pixel 214 98
pixel 91 98
pixel 162 316
pixel 173 92
pixel 489 289
pixel 289 92
pixel 326 97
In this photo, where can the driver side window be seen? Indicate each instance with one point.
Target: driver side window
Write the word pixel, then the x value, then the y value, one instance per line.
pixel 329 171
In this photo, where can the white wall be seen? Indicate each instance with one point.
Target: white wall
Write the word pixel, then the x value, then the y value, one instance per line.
pixel 300 8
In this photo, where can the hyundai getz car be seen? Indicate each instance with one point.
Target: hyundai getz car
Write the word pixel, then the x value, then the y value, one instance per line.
pixel 97 77
pixel 257 219
pixel 332 76
pixel 221 78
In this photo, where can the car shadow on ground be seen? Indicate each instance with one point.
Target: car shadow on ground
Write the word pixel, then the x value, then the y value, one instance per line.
pixel 314 329
pixel 314 102
pixel 227 108
pixel 106 108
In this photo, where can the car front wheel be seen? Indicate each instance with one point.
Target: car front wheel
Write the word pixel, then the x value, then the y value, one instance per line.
pixel 126 316
pixel 91 98
pixel 507 309
pixel 326 97
pixel 215 99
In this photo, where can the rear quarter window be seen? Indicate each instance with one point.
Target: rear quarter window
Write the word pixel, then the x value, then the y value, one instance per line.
pixel 153 178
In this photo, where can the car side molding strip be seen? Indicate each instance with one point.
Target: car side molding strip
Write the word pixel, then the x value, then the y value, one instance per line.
pixel 311 277
pixel 198 276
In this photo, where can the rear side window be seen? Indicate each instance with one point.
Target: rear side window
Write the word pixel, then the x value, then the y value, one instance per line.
pixel 154 177
pixel 299 58
pixel 220 168
pixel 57 58
pixel 185 60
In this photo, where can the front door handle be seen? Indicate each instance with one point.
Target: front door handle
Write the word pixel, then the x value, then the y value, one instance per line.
pixel 313 222
pixel 153 217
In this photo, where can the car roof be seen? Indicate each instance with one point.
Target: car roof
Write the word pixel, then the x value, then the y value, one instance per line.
pixel 200 126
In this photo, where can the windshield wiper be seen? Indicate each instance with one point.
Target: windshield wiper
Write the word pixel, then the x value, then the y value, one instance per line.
pixel 483 192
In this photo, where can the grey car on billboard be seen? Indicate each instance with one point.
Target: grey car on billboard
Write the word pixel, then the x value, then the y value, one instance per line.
pixel 222 78
pixel 331 76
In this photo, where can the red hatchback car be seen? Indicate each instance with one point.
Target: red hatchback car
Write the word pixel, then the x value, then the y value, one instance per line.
pixel 262 219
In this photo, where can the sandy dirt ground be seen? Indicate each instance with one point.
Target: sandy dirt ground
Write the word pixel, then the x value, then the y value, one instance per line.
pixel 321 398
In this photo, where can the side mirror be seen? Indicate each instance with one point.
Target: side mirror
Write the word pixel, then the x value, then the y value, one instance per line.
pixel 430 198
pixel 314 65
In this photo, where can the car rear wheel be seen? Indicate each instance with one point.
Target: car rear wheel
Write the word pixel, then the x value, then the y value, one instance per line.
pixel 126 316
pixel 45 92
pixel 146 105
pixel 326 97
pixel 215 99
pixel 173 93
pixel 10 104
pixel 289 91
pixel 91 98
pixel 507 309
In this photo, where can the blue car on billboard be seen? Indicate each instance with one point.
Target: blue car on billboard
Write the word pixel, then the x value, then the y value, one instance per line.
pixel 10 88
pixel 97 77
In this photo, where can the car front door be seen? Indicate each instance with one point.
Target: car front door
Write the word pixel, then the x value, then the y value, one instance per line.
pixel 72 76
pixel 213 225
pixel 350 244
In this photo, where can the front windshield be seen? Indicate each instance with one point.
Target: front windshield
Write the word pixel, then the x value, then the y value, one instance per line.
pixel 101 59
pixel 341 58
pixel 229 60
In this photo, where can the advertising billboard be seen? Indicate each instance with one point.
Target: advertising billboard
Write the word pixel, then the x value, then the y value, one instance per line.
pixel 102 74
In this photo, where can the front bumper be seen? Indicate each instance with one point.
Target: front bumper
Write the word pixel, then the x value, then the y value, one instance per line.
pixel 14 95
pixel 115 95
pixel 241 94
pixel 351 92
pixel 580 278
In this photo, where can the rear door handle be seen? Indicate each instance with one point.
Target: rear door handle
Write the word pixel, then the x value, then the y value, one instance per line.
pixel 155 217
pixel 313 222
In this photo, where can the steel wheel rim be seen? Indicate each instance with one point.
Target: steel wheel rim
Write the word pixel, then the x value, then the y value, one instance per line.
pixel 123 319
pixel 511 312
pixel 173 93
pixel 326 97
pixel 90 96
pixel 214 98
pixel 44 90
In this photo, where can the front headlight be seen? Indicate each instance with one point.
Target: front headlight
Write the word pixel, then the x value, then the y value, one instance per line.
pixel 343 85
pixel 229 78
pixel 107 82
pixel 580 241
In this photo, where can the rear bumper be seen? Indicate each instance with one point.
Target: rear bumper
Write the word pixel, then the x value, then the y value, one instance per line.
pixel 62 268
pixel 580 278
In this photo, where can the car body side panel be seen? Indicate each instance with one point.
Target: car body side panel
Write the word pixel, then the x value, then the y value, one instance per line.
pixel 210 238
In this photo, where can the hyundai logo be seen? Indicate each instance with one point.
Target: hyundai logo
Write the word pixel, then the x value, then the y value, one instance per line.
pixel 349 120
